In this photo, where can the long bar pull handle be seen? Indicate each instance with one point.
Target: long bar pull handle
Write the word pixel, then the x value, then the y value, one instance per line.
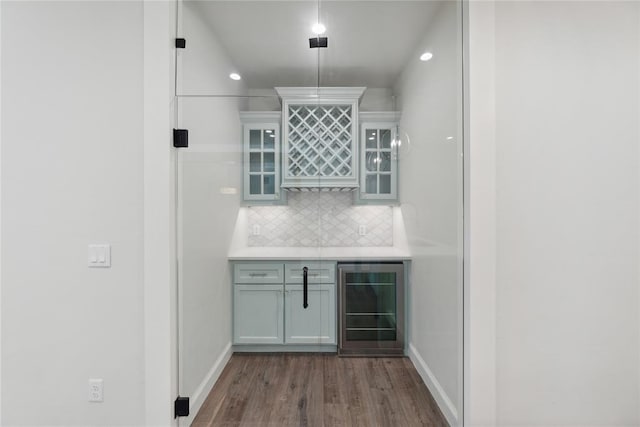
pixel 305 286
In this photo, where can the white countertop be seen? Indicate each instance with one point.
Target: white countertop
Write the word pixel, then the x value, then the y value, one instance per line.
pixel 387 253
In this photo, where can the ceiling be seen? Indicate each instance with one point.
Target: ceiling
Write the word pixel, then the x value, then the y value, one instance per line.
pixel 369 41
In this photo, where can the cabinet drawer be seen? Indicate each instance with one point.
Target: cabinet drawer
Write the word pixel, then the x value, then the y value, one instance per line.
pixel 317 273
pixel 258 273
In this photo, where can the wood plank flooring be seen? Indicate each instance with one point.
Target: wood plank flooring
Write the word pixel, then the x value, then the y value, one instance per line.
pixel 293 389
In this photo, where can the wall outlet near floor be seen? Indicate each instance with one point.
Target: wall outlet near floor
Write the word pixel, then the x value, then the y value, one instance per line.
pixel 362 230
pixel 96 390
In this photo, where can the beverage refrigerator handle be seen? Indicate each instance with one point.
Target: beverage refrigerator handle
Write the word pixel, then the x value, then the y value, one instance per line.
pixel 305 286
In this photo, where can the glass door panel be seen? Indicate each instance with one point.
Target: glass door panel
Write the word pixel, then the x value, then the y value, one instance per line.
pixel 289 174
pixel 373 306
pixel 408 205
pixel 232 213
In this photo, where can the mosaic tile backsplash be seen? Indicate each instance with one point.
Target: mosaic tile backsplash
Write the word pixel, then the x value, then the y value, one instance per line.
pixel 320 219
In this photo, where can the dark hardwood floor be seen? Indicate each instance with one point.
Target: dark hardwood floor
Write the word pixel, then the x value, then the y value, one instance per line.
pixel 293 389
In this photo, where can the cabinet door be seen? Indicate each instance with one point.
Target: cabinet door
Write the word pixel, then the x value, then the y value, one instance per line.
pixel 258 314
pixel 378 163
pixel 262 162
pixel 315 324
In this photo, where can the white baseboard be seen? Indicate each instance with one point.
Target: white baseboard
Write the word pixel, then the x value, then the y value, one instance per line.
pixel 201 393
pixel 289 348
pixel 444 402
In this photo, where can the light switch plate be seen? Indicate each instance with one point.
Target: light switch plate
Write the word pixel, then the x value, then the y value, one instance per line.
pixel 99 256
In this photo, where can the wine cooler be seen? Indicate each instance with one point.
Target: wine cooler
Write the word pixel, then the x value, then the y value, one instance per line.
pixel 371 309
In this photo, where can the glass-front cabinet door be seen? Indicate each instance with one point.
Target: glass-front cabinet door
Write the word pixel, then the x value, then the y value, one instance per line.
pixel 379 162
pixel 261 154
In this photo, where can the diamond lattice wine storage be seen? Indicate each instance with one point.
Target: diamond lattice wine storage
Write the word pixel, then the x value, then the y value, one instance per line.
pixel 320 137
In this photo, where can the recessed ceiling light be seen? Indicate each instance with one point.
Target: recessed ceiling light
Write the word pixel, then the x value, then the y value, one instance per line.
pixel 234 76
pixel 426 56
pixel 318 28
pixel 268 131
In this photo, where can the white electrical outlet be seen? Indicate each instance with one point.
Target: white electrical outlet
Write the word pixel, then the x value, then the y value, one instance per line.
pixel 362 230
pixel 96 390
pixel 256 230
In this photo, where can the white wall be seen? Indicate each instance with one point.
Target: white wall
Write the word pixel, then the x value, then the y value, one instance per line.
pixel 431 195
pixel 72 159
pixel 566 118
pixel 160 325
pixel 208 169
pixel 205 64
pixel 480 216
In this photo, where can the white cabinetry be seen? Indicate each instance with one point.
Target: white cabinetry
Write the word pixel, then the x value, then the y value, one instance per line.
pixel 257 316
pixel 258 293
pixel 261 157
pixel 378 158
pixel 320 141
pixel 315 324
pixel 269 297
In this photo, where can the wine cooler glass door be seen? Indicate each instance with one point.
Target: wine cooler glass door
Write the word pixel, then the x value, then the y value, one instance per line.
pixel 372 308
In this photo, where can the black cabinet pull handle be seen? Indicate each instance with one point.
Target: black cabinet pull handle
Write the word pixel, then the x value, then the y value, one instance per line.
pixel 305 286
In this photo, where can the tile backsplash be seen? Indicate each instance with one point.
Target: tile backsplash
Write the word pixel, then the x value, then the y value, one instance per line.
pixel 320 219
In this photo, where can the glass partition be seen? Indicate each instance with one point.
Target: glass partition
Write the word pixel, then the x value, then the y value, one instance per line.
pixel 320 198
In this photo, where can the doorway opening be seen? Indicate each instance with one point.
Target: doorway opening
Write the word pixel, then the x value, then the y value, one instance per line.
pixel 318 157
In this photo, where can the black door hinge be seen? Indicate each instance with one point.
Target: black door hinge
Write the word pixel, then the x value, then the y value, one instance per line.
pixel 181 407
pixel 180 138
pixel 316 42
pixel 181 43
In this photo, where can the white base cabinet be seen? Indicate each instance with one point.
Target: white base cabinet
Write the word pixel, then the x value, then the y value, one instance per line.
pixel 265 312
pixel 315 324
pixel 257 314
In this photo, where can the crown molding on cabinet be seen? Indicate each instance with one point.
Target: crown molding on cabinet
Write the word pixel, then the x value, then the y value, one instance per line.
pixel 320 92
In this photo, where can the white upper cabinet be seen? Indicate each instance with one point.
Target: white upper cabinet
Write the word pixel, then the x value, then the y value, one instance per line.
pixel 320 141
pixel 320 137
pixel 378 158
pixel 261 155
